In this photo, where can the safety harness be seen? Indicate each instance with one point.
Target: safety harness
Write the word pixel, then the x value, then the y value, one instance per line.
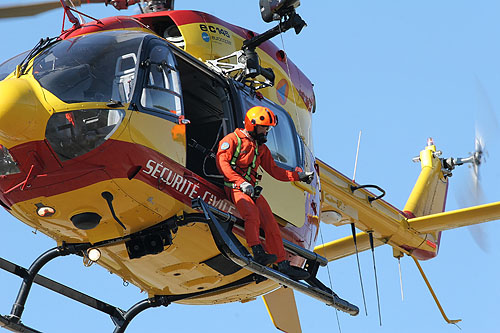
pixel 247 174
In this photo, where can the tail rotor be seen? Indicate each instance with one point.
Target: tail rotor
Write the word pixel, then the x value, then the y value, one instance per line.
pixel 471 193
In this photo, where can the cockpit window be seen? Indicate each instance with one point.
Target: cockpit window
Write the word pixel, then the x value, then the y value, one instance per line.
pixel 8 66
pixel 91 68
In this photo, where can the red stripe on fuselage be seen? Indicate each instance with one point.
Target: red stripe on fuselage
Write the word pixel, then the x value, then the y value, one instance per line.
pixel 419 253
pixel 115 159
pixel 109 23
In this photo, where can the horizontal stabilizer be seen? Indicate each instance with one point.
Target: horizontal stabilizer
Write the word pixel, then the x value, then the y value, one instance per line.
pixel 456 218
pixel 283 310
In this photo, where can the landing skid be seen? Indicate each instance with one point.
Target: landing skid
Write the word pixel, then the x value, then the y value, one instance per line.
pixel 13 326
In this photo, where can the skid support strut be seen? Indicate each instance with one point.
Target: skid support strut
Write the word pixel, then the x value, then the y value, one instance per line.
pixel 165 300
pixel 22 296
pixel 137 308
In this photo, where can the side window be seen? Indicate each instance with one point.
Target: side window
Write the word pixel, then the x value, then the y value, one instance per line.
pixel 162 91
pixel 282 140
pixel 124 77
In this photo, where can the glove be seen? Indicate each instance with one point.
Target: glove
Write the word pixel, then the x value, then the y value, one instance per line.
pixel 247 188
pixel 307 176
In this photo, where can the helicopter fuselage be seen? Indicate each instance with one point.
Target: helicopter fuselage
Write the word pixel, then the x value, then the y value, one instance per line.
pixel 113 108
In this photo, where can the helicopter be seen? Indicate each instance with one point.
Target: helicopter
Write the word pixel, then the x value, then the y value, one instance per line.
pixel 267 189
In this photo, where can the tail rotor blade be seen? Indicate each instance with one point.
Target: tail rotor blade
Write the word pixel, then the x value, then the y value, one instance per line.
pixel 486 134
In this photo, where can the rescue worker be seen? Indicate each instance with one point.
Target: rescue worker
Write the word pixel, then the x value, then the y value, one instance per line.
pixel 239 155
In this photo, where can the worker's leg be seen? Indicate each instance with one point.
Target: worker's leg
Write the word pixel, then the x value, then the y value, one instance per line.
pixel 274 243
pixel 250 214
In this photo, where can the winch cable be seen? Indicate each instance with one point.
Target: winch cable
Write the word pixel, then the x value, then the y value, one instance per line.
pixel 329 276
pixel 353 230
pixel 370 235
pixel 401 279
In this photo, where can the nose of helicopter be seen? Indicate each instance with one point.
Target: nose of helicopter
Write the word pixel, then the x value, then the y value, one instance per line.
pixel 20 117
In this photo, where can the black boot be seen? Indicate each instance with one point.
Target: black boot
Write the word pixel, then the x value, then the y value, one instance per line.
pixel 293 272
pixel 260 256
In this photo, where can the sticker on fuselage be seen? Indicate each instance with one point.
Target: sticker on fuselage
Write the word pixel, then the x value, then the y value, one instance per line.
pixel 216 34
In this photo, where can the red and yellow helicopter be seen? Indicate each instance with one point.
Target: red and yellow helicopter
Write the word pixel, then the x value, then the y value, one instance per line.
pixel 107 134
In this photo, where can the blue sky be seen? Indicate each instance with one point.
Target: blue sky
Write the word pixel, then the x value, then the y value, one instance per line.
pixel 400 71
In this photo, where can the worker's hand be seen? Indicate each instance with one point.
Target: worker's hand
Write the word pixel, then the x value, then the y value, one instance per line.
pixel 306 176
pixel 247 188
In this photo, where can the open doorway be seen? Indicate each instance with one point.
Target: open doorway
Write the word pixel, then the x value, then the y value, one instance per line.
pixel 207 106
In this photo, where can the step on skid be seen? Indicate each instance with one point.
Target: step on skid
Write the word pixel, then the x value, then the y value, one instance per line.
pixel 230 246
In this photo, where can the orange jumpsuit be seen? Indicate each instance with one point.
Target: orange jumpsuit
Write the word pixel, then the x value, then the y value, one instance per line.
pixel 256 214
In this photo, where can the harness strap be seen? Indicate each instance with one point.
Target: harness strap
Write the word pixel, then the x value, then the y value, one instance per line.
pixel 230 184
pixel 236 154
pixel 252 166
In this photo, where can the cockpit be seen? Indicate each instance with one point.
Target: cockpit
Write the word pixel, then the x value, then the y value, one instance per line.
pixel 119 67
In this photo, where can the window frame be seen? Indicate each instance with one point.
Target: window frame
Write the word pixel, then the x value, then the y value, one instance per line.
pixel 141 83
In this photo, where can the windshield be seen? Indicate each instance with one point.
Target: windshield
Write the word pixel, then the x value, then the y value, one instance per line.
pixel 8 66
pixel 92 68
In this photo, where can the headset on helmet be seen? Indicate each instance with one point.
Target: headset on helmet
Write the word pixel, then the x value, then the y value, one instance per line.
pixel 259 115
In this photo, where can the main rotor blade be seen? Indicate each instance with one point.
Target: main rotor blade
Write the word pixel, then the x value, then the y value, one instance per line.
pixel 28 10
pixel 38 8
